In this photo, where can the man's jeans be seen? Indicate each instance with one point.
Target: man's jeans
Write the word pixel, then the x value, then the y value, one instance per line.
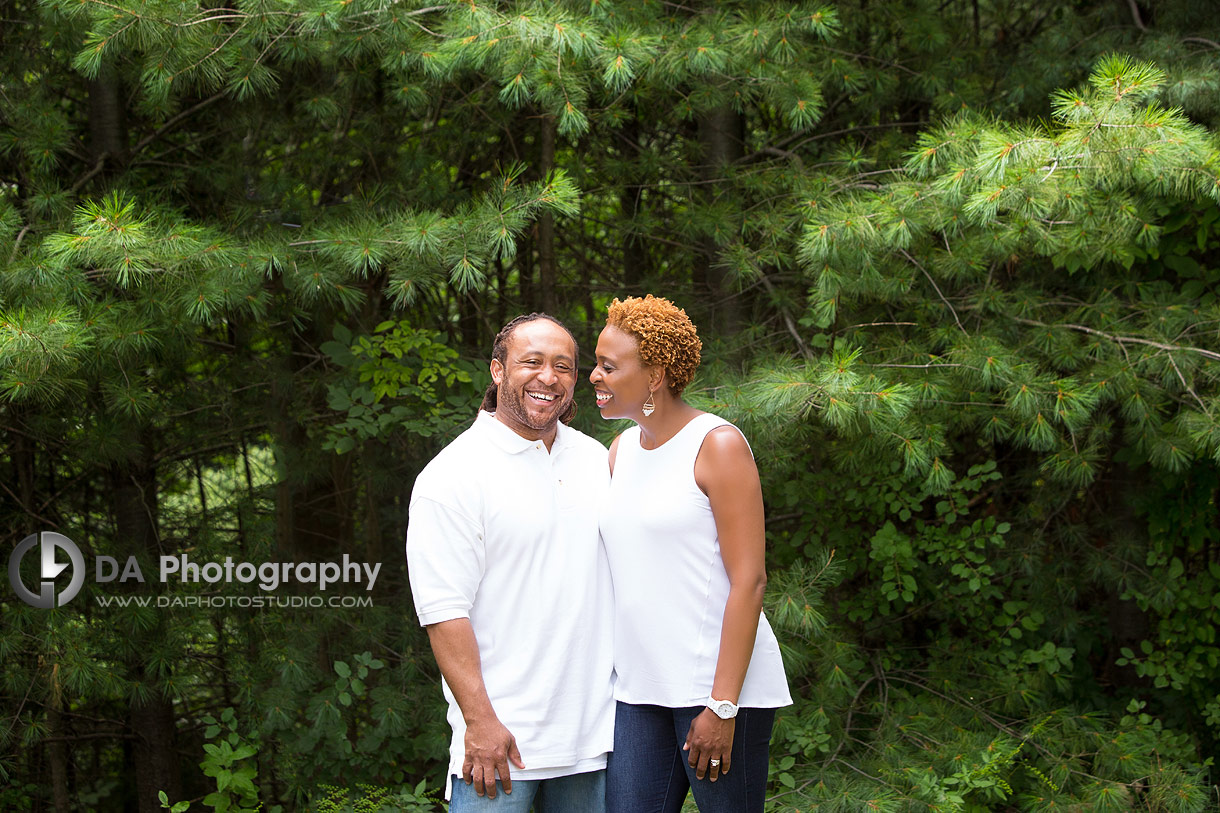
pixel 648 771
pixel 576 793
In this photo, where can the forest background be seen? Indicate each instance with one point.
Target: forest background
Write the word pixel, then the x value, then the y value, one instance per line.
pixel 954 264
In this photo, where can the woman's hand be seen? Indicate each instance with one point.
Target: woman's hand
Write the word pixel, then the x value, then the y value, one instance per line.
pixel 710 738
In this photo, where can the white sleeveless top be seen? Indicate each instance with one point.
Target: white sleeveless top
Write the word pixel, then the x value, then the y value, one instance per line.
pixel 670 585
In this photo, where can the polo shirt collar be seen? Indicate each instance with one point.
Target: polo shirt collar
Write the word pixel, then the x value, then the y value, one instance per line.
pixel 509 441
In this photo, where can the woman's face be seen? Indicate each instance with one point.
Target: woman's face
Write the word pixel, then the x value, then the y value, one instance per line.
pixel 620 379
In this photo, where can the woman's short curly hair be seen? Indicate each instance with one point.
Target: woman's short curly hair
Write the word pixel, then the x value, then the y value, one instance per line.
pixel 666 335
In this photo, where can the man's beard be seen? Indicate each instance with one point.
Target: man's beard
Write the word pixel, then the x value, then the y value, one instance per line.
pixel 513 402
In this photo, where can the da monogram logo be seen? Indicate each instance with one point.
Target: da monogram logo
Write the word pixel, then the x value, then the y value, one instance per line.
pixel 47 542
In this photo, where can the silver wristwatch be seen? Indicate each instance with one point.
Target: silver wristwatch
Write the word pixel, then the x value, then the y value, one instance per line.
pixel 724 709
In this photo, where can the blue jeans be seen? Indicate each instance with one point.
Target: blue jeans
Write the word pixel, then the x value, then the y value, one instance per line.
pixel 648 771
pixel 575 793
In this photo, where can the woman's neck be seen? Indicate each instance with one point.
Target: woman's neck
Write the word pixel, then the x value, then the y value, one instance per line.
pixel 672 413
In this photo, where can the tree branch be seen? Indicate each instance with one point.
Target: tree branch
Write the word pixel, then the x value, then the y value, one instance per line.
pixel 788 323
pixel 17 243
pixel 1189 388
pixel 98 167
pixel 937 288
pixel 1173 348
pixel 1203 40
pixel 174 120
pixel 1135 15
pixel 877 324
pixel 117 735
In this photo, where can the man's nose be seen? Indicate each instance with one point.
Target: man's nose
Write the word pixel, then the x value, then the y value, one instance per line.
pixel 548 374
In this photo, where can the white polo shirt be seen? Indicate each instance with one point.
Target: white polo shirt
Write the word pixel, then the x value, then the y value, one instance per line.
pixel 505 533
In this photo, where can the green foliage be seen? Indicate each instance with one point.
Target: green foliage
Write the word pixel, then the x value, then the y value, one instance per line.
pixel 355 725
pixel 230 760
pixel 1179 591
pixel 176 807
pixel 1081 192
pixel 934 685
pixel 367 799
pixel 915 742
pixel 19 797
pixel 399 379
pixel 330 799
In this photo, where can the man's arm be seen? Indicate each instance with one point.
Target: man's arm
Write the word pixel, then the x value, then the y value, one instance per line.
pixel 489 745
pixel 445 562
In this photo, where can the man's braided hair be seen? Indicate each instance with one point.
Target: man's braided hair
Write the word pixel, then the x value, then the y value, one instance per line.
pixel 499 352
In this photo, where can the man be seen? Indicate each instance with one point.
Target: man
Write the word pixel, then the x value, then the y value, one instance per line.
pixel 509 577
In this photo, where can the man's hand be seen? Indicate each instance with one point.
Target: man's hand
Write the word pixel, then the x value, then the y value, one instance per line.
pixel 710 738
pixel 489 748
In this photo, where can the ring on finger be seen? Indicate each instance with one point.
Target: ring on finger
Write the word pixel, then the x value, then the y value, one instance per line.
pixel 715 763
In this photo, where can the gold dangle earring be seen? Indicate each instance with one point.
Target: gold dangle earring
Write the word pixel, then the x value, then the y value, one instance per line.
pixel 649 407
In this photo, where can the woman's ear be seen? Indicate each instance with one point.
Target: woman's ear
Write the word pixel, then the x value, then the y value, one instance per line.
pixel 657 377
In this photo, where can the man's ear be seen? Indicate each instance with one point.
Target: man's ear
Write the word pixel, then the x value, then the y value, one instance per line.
pixel 497 371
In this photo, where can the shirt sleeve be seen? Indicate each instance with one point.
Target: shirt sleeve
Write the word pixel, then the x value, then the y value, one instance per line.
pixel 446 557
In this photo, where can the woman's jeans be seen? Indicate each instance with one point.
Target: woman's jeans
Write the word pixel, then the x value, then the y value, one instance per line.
pixel 648 770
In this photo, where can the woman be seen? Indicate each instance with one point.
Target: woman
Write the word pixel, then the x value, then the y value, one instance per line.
pixel 699 669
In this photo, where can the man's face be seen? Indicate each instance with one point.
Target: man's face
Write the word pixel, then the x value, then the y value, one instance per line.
pixel 535 384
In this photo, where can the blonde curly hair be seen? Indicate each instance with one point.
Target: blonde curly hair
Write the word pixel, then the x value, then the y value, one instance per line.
pixel 666 335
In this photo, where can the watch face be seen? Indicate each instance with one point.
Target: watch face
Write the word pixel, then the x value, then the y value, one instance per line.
pixel 724 710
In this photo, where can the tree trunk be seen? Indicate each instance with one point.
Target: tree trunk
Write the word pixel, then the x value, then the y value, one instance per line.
pixel 525 276
pixel 107 120
pixel 547 273
pixel 155 752
pixel 468 317
pixel 497 317
pixel 372 520
pixel 313 500
pixel 22 457
pixel 57 755
pixel 721 134
pixel 635 255
pixel 151 719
